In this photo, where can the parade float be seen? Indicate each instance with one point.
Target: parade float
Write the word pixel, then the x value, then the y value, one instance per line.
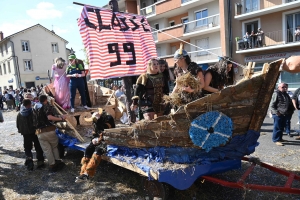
pixel 207 136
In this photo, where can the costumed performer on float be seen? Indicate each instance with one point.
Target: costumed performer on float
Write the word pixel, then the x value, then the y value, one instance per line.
pixel 61 83
pixel 149 92
pixel 189 77
pixel 218 75
pixel 76 73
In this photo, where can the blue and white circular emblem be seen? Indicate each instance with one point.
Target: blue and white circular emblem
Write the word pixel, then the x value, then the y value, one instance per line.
pixel 211 129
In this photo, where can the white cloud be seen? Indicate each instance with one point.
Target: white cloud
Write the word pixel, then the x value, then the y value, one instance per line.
pixel 11 28
pixel 44 10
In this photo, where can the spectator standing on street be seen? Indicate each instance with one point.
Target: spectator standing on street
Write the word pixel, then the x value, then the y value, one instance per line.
pixel 44 117
pixel 296 103
pixel 26 128
pixel 1 101
pixel 281 106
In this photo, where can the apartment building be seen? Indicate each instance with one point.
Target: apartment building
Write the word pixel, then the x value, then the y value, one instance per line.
pixel 26 56
pixel 199 23
pixel 279 21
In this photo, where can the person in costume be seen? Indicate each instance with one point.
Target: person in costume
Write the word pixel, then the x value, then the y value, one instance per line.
pixel 61 83
pixel 186 67
pixel 218 76
pixel 76 73
pixel 92 155
pixel 165 70
pixel 150 88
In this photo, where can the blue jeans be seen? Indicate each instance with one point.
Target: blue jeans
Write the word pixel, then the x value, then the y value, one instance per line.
pixel 279 124
pixel 288 124
pixel 74 84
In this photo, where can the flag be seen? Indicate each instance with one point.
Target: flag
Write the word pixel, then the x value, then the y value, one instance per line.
pixel 117 44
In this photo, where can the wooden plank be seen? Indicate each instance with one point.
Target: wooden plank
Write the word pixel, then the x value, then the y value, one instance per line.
pixel 71 126
pixel 131 167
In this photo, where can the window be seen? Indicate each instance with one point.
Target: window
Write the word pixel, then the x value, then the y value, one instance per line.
pixel 25 46
pixel 144 4
pixel 173 49
pixel 8 66
pixel 292 23
pixel 251 26
pixel 4 68
pixel 203 44
pixel 6 49
pixel 54 47
pixel 251 5
pixel 184 21
pixel 199 15
pixel 28 65
pixel 1 49
pixel 156 26
pixel 158 50
pixel 0 70
pixel 172 23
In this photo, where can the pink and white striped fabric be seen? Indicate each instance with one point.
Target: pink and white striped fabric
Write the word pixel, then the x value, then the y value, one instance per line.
pixel 111 53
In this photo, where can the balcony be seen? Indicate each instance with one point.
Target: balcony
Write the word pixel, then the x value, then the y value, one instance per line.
pixel 199 57
pixel 247 9
pixel 202 25
pixel 150 10
pixel 271 40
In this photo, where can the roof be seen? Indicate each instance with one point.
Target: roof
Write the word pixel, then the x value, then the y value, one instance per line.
pixel 52 32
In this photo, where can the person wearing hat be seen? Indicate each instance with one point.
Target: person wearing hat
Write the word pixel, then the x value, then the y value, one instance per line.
pixel 61 83
pixel 76 73
pixel 218 75
pixel 185 66
pixel 92 155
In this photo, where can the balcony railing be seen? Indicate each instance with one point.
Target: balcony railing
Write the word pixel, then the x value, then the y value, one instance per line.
pixel 204 55
pixel 198 56
pixel 149 10
pixel 155 35
pixel 202 24
pixel 185 1
pixel 270 39
pixel 247 6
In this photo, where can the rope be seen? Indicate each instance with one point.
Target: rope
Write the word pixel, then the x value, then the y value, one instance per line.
pixel 160 31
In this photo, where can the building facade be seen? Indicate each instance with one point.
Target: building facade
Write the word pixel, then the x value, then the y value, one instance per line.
pixel 26 56
pixel 280 22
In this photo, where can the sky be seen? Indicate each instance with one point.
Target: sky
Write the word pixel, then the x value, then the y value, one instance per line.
pixel 57 15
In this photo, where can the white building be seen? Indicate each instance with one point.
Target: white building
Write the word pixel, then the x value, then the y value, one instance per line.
pixel 26 56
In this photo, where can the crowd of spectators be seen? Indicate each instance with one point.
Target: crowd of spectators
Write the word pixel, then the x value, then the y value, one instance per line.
pixel 13 98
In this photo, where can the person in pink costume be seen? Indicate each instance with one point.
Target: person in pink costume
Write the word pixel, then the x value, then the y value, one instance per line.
pixel 61 83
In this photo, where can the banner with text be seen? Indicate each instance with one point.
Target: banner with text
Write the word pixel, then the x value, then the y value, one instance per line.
pixel 117 44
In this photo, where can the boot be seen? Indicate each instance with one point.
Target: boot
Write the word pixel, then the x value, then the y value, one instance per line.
pixel 84 162
pixel 29 163
pixel 92 165
pixel 40 164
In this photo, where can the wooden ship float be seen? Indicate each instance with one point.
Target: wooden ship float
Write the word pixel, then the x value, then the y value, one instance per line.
pixel 245 103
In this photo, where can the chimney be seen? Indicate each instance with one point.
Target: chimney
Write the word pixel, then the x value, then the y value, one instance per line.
pixel 1 35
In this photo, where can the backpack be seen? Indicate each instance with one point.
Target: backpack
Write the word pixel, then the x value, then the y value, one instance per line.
pixel 10 97
pixel 40 119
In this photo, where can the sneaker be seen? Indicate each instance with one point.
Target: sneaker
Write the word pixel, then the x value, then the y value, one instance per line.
pixel 72 110
pixel 86 107
pixel 82 178
pixel 30 165
pixel 279 144
pixel 290 135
